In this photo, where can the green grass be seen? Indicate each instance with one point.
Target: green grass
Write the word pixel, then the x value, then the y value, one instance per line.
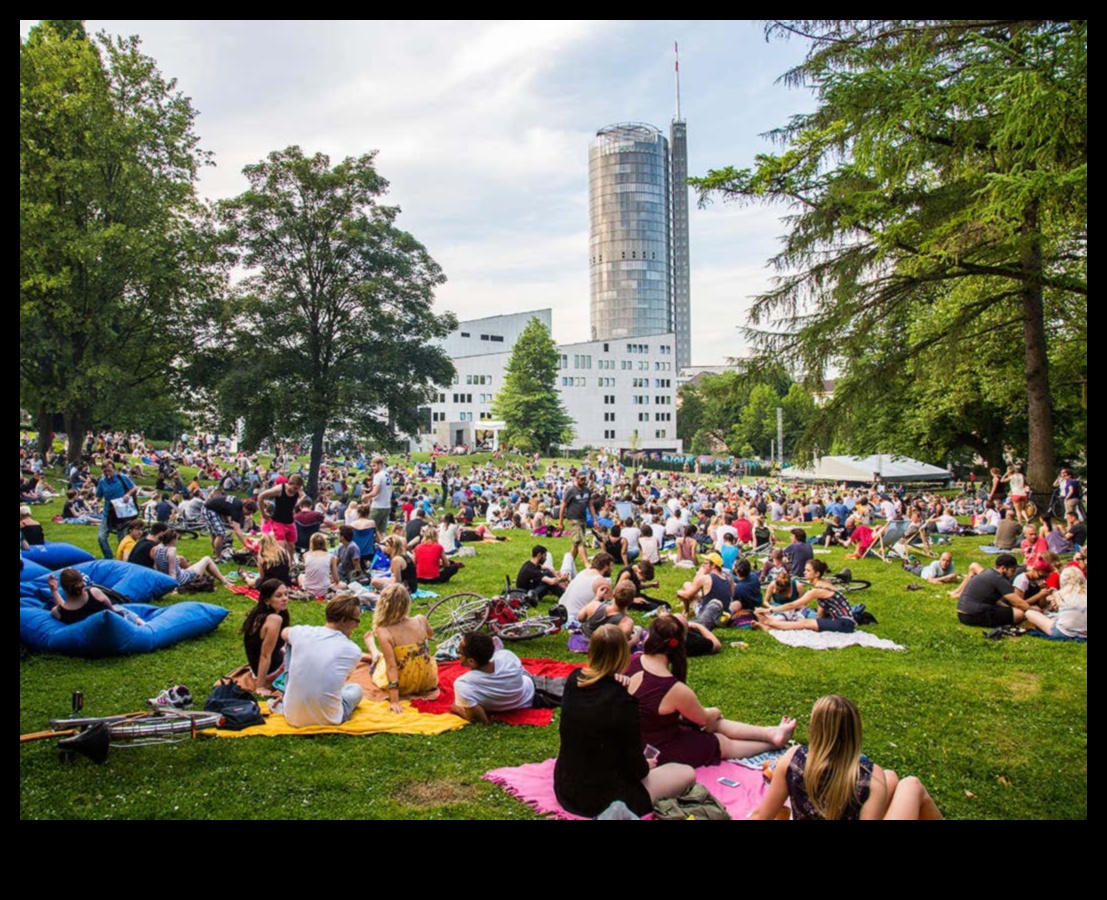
pixel 996 730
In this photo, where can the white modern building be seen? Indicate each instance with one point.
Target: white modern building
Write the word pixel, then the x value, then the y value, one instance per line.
pixel 621 394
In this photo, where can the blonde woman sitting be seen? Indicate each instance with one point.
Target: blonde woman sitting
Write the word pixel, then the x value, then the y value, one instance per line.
pixel 402 661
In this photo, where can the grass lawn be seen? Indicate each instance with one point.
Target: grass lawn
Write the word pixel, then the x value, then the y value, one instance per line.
pixel 996 730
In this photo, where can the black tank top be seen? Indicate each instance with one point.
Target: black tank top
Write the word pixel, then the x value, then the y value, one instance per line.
pixel 284 507
pixel 281 571
pixel 72 616
pixel 408 576
pixel 252 644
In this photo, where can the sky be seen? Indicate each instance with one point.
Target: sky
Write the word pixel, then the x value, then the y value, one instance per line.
pixel 482 130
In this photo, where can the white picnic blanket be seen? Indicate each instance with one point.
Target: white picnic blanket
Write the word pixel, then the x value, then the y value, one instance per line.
pixel 833 640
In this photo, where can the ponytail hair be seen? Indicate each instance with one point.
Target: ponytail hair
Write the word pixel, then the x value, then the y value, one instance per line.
pixel 666 638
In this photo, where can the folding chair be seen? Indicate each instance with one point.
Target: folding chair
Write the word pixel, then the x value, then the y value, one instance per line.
pixel 884 547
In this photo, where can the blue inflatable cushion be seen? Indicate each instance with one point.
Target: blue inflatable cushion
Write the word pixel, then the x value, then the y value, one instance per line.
pixel 57 555
pixel 109 634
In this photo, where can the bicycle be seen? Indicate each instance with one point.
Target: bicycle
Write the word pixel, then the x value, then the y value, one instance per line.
pixel 1055 508
pixel 507 615
pixel 93 736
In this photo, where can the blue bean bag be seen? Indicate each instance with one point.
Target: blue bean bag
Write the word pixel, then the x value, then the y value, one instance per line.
pixel 108 634
pixel 57 555
pixel 137 583
pixel 31 569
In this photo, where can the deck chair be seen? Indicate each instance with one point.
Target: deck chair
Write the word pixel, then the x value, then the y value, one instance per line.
pixel 762 540
pixel 884 547
pixel 917 541
pixel 304 534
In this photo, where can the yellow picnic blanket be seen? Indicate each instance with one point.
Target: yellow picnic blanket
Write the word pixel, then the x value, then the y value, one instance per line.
pixel 371 717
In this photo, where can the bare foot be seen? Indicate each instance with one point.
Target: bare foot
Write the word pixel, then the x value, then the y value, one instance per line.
pixel 782 734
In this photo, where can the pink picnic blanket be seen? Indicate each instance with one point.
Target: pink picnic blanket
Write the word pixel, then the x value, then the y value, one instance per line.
pixel 533 784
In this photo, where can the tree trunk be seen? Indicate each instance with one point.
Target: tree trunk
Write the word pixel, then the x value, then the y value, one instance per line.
pixel 44 421
pixel 1039 467
pixel 316 459
pixel 76 427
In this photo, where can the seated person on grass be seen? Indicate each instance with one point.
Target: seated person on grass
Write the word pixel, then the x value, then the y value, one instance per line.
pixel 834 612
pixel 939 571
pixel 320 659
pixel 1070 622
pixel 601 612
pixel 641 575
pixel 1031 584
pixel 747 587
pixel 989 599
pixel 496 681
pixel 835 533
pixel 535 576
pixel 710 588
pixel 1075 531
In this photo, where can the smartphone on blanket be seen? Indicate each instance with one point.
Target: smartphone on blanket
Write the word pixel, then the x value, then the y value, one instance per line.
pixel 729 782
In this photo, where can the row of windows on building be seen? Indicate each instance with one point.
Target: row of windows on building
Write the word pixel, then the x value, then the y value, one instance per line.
pixel 609 434
pixel 607 381
pixel 584 361
pixel 461 417
pixel 493 338
pixel 642 417
pixel 478 379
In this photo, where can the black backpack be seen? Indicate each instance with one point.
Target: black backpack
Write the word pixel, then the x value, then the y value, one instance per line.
pixel 237 707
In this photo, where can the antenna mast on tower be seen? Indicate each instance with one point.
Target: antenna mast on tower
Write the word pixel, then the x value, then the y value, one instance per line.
pixel 676 53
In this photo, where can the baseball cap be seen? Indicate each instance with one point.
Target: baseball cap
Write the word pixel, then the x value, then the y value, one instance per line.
pixel 715 558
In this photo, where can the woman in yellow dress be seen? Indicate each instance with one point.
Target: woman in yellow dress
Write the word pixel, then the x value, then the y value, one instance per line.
pixel 403 664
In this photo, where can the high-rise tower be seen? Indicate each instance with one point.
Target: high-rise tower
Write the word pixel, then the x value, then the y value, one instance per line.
pixel 638 204
pixel 629 197
pixel 682 286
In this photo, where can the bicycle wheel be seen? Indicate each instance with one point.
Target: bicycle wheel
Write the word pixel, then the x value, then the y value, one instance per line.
pixel 537 626
pixel 457 614
pixel 160 729
pixel 854 584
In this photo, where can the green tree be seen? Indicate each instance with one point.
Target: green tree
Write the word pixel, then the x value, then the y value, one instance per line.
pixel 112 258
pixel 528 402
pixel 938 194
pixel 333 328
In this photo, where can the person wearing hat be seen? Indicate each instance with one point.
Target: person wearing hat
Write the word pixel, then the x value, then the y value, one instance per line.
pixel 712 588
pixel 1031 586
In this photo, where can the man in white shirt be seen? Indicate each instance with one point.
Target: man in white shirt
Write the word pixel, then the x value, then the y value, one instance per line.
pixel 320 659
pixel 380 496
pixel 591 584
pixel 496 680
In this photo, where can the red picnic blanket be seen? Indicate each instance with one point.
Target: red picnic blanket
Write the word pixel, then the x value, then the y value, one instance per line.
pixel 448 673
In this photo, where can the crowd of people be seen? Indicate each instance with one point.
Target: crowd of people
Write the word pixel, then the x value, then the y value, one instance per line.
pixel 632 728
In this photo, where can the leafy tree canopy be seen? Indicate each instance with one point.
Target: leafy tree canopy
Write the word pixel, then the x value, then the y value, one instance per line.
pixel 333 328
pixel 114 260
pixel 937 197
pixel 528 401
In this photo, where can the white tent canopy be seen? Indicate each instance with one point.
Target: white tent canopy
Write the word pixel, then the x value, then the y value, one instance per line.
pixel 861 469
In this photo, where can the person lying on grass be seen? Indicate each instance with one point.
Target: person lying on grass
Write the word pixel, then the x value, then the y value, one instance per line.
pixel 939 571
pixel 81 600
pixel 830 779
pixel 497 682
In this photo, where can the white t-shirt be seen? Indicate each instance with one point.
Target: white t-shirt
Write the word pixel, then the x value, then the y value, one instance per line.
pixel 506 687
pixel 632 535
pixel 580 592
pixel 447 537
pixel 383 482
pixel 648 546
pixel 319 661
pixel 721 531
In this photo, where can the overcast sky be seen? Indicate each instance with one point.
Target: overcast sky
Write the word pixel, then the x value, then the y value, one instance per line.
pixel 483 129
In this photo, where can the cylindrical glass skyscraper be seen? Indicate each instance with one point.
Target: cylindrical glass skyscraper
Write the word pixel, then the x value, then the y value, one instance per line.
pixel 630 266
